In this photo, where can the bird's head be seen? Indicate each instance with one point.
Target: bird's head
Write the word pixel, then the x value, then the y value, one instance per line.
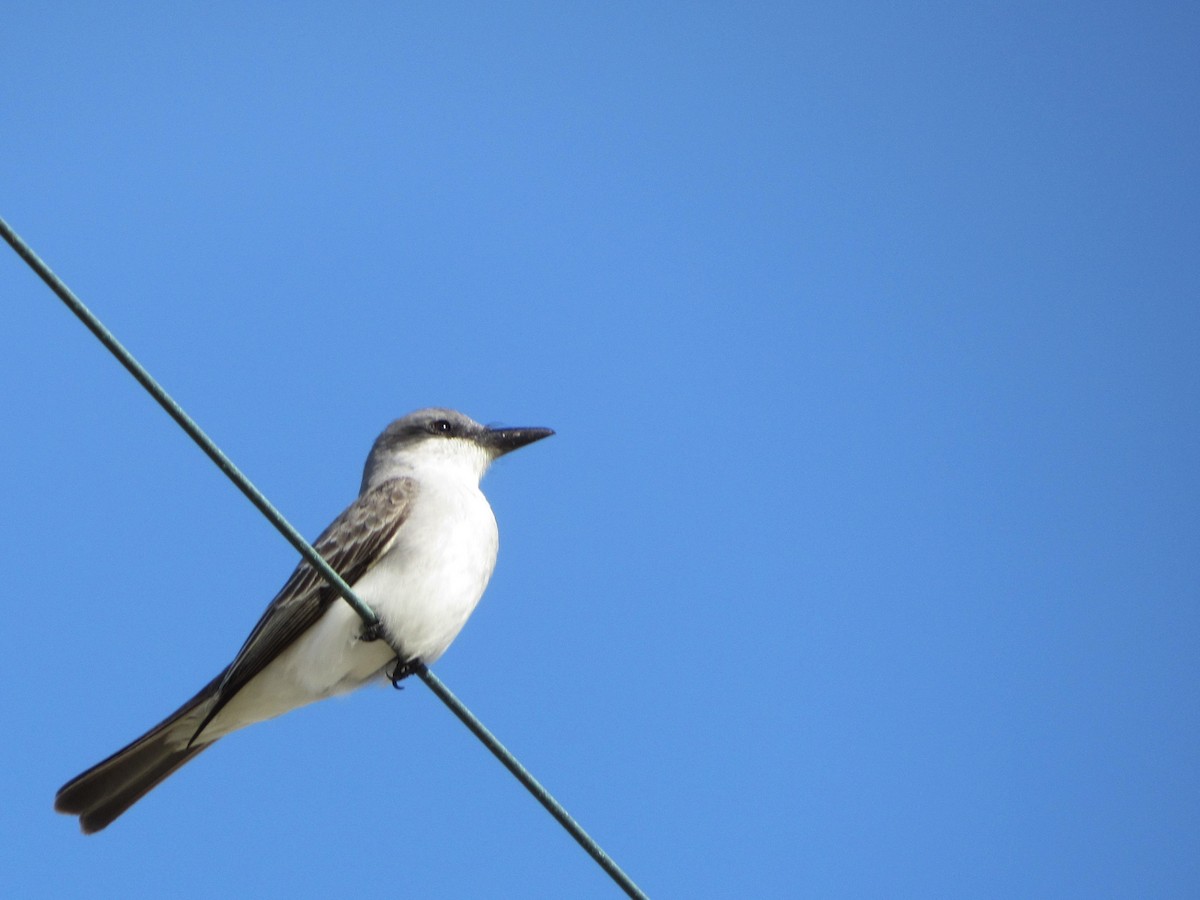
pixel 436 439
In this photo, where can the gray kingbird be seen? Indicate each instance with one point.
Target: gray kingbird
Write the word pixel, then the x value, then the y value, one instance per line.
pixel 418 546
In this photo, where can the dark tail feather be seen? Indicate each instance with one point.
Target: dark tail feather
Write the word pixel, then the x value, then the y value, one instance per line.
pixel 110 787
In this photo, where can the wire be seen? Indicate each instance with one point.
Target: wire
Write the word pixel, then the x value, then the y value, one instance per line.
pixel 523 775
pixel 255 496
pixel 175 411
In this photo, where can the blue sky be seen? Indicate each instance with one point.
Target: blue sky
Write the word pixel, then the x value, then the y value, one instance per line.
pixel 865 560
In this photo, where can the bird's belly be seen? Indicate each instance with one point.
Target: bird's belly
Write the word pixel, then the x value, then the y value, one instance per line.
pixel 326 660
pixel 423 590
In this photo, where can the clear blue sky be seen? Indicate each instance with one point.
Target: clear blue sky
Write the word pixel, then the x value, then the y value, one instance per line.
pixel 866 560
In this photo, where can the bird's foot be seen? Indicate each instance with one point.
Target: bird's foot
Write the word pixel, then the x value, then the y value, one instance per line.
pixel 377 632
pixel 374 632
pixel 402 671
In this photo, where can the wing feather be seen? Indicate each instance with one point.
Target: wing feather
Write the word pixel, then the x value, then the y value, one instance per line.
pixel 352 544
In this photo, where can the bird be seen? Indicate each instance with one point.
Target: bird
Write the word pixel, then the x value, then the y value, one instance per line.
pixel 417 545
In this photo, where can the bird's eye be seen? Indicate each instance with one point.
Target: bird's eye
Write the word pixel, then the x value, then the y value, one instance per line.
pixel 441 426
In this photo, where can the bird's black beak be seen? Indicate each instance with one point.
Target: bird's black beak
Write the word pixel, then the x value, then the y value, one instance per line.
pixel 505 440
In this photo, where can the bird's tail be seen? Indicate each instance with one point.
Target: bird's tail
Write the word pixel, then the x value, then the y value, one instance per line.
pixel 110 787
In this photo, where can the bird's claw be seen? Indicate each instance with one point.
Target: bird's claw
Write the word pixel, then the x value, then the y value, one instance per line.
pixel 372 633
pixel 401 671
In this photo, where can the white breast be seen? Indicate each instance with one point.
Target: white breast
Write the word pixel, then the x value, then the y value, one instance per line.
pixel 431 579
pixel 423 590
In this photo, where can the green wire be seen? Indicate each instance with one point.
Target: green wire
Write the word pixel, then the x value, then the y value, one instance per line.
pixel 255 496
pixel 175 411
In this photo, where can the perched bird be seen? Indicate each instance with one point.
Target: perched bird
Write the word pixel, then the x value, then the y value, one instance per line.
pixel 418 546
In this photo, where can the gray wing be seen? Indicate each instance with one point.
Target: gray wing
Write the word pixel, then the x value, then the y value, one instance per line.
pixel 352 544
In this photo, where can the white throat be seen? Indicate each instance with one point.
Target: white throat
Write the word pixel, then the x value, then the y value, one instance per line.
pixel 455 459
